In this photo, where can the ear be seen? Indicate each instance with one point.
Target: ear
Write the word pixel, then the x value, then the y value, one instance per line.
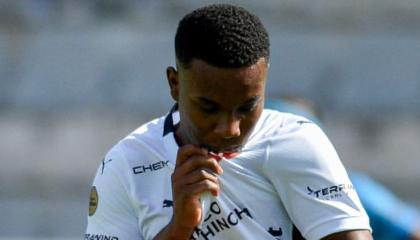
pixel 173 80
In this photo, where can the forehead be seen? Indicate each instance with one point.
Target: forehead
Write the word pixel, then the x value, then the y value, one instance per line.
pixel 214 82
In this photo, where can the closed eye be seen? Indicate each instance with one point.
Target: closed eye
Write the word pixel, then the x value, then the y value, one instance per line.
pixel 208 110
pixel 207 106
pixel 246 109
pixel 249 107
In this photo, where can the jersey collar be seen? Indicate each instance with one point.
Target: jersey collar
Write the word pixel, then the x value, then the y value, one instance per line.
pixel 169 141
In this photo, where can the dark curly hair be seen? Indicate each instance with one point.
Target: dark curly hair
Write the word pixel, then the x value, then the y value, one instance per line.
pixel 222 35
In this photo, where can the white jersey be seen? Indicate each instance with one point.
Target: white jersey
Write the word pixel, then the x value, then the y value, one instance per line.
pixel 287 181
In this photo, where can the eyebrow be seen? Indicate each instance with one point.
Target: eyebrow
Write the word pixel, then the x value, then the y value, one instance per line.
pixel 249 101
pixel 207 101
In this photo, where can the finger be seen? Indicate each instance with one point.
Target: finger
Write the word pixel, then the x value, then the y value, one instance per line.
pixel 216 163
pixel 196 163
pixel 187 151
pixel 200 175
pixel 206 162
pixel 200 187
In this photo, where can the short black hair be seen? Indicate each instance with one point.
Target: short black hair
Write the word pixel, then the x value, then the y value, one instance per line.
pixel 222 35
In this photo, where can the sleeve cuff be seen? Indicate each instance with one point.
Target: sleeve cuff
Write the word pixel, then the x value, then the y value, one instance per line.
pixel 337 225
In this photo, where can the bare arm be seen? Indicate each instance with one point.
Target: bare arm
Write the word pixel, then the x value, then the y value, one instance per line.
pixel 190 179
pixel 350 235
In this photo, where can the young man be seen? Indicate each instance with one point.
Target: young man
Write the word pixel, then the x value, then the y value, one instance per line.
pixel 218 166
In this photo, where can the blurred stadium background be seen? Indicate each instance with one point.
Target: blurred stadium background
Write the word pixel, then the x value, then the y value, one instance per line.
pixel 77 75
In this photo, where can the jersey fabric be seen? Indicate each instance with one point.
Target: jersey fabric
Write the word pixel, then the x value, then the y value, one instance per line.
pixel 392 219
pixel 287 179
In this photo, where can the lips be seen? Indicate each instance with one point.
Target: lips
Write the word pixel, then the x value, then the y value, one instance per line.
pixel 217 149
pixel 225 151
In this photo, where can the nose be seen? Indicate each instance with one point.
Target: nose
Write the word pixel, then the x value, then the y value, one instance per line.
pixel 228 127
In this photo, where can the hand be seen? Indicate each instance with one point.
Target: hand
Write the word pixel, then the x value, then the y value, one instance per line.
pixel 195 173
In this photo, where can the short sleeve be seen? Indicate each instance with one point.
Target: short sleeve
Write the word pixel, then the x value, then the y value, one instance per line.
pixel 111 212
pixel 312 183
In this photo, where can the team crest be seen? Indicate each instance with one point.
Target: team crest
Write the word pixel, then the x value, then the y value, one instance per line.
pixel 93 201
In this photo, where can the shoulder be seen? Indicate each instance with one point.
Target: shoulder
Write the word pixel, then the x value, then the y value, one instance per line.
pixel 287 134
pixel 274 125
pixel 294 142
pixel 139 143
pixel 118 187
pixel 133 150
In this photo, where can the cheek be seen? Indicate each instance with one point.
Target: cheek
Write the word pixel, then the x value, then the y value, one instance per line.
pixel 249 122
pixel 246 125
pixel 197 123
pixel 200 123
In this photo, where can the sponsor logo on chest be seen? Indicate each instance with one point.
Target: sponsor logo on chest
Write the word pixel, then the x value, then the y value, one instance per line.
pixel 89 236
pixel 216 221
pixel 150 167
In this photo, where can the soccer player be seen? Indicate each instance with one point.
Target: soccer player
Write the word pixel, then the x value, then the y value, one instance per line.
pixel 219 166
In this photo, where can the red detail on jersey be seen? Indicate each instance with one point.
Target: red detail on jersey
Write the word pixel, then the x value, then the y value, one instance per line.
pixel 226 155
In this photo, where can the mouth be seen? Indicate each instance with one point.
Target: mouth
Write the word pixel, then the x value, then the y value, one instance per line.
pixel 224 150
